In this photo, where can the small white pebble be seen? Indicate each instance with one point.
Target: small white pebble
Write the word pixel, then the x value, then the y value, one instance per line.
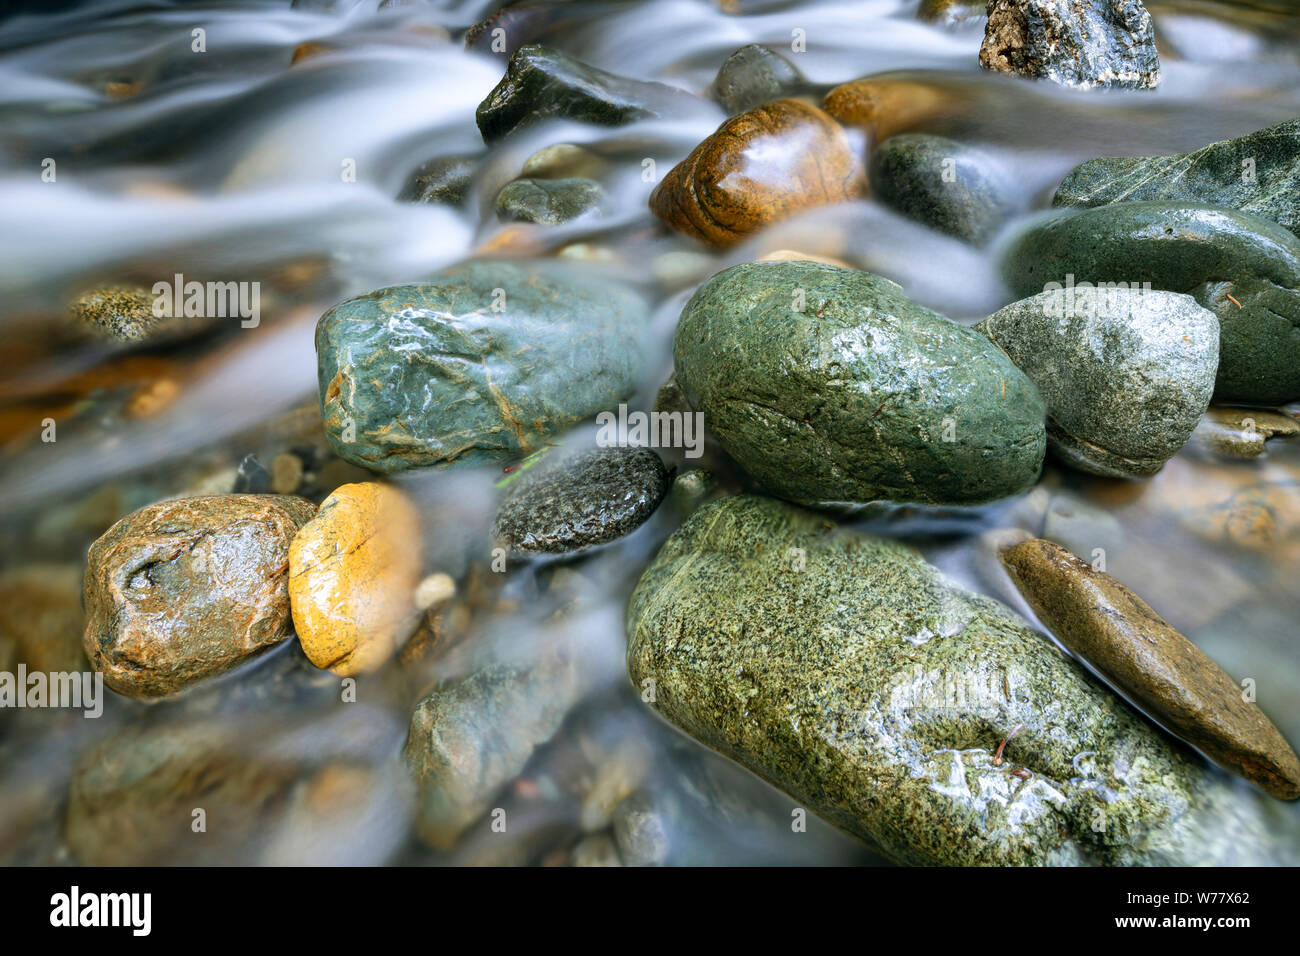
pixel 434 590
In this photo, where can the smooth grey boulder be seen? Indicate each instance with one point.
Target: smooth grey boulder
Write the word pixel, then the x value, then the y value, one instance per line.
pixel 752 76
pixel 1126 373
pixel 930 722
pixel 548 202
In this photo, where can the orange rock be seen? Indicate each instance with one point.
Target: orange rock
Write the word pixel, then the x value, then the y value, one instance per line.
pixel 786 255
pixel 306 50
pixel 353 570
pixel 885 107
pixel 759 167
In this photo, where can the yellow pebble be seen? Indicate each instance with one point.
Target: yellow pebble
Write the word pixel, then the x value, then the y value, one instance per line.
pixel 352 572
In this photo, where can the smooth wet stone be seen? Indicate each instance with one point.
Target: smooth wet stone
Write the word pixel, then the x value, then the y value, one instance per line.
pixel 1115 631
pixel 251 477
pixel 758 168
pixel 860 395
pixel 40 617
pixel 433 374
pixel 541 83
pixel 942 183
pixel 125 313
pixel 580 501
pixel 1258 173
pixel 851 674
pixel 752 76
pixel 563 161
pixel 1076 43
pixel 445 180
pixel 548 201
pixel 470 736
pixel 186 589
pixel 1244 269
pixel 885 107
pixel 1126 374
pixel 1241 432
pixel 353 571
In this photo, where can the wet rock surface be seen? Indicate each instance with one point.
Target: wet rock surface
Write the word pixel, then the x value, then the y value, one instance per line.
pixel 353 571
pixel 187 589
pixel 1115 631
pixel 548 201
pixel 1241 432
pixel 431 374
pixel 828 385
pixel 759 167
pixel 1076 43
pixel 1126 376
pixel 1244 269
pixel 444 180
pixel 1258 173
pixel 752 76
pixel 903 708
pixel 580 500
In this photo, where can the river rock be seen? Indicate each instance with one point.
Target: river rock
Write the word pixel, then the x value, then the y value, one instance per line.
pixel 1241 432
pixel 40 616
pixel 885 107
pixel 1115 631
pixel 950 12
pixel 353 571
pixel 484 363
pixel 752 76
pixel 1258 173
pixel 940 182
pixel 1244 269
pixel 830 385
pixel 564 161
pixel 851 674
pixel 444 180
pixel 580 501
pixel 125 313
pixel 547 201
pixel 759 167
pixel 541 83
pixel 185 589
pixel 1126 375
pixel 1076 43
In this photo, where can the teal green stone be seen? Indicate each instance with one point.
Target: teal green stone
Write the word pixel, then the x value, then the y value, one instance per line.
pixel 1258 173
pixel 850 673
pixel 829 385
pixel 484 363
pixel 1214 254
pixel 547 201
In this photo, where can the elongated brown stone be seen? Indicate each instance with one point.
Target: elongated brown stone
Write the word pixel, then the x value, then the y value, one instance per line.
pixel 1115 631
pixel 759 167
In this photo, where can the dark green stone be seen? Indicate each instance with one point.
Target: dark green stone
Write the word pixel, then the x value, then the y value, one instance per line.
pixel 541 83
pixel 941 183
pixel 1258 173
pixel 433 374
pixel 580 501
pixel 752 76
pixel 445 180
pixel 547 201
pixel 862 395
pixel 851 674
pixel 1214 254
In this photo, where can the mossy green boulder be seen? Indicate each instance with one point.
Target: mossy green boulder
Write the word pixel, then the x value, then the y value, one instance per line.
pixel 850 673
pixel 829 385
pixel 484 363
pixel 1258 173
pixel 1244 269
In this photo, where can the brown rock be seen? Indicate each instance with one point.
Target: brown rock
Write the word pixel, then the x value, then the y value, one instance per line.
pixel 758 168
pixel 184 589
pixel 1241 432
pixel 885 107
pixel 40 612
pixel 353 572
pixel 1114 630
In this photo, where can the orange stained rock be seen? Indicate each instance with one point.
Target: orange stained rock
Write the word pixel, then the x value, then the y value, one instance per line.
pixel 353 570
pixel 759 167
pixel 885 107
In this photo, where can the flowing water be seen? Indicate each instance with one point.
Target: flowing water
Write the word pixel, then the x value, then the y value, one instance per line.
pixel 229 163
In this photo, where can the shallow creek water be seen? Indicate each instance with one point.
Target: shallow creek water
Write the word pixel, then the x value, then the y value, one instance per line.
pixel 233 163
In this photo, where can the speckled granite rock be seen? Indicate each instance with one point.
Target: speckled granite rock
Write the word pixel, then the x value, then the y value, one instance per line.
pixel 125 313
pixel 861 395
pixel 758 168
pixel 547 201
pixel 483 363
pixel 581 501
pixel 1244 269
pixel 942 183
pixel 541 83
pixel 444 180
pixel 186 589
pixel 851 674
pixel 752 76
pixel 1115 631
pixel 1076 43
pixel 1258 173
pixel 1126 374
